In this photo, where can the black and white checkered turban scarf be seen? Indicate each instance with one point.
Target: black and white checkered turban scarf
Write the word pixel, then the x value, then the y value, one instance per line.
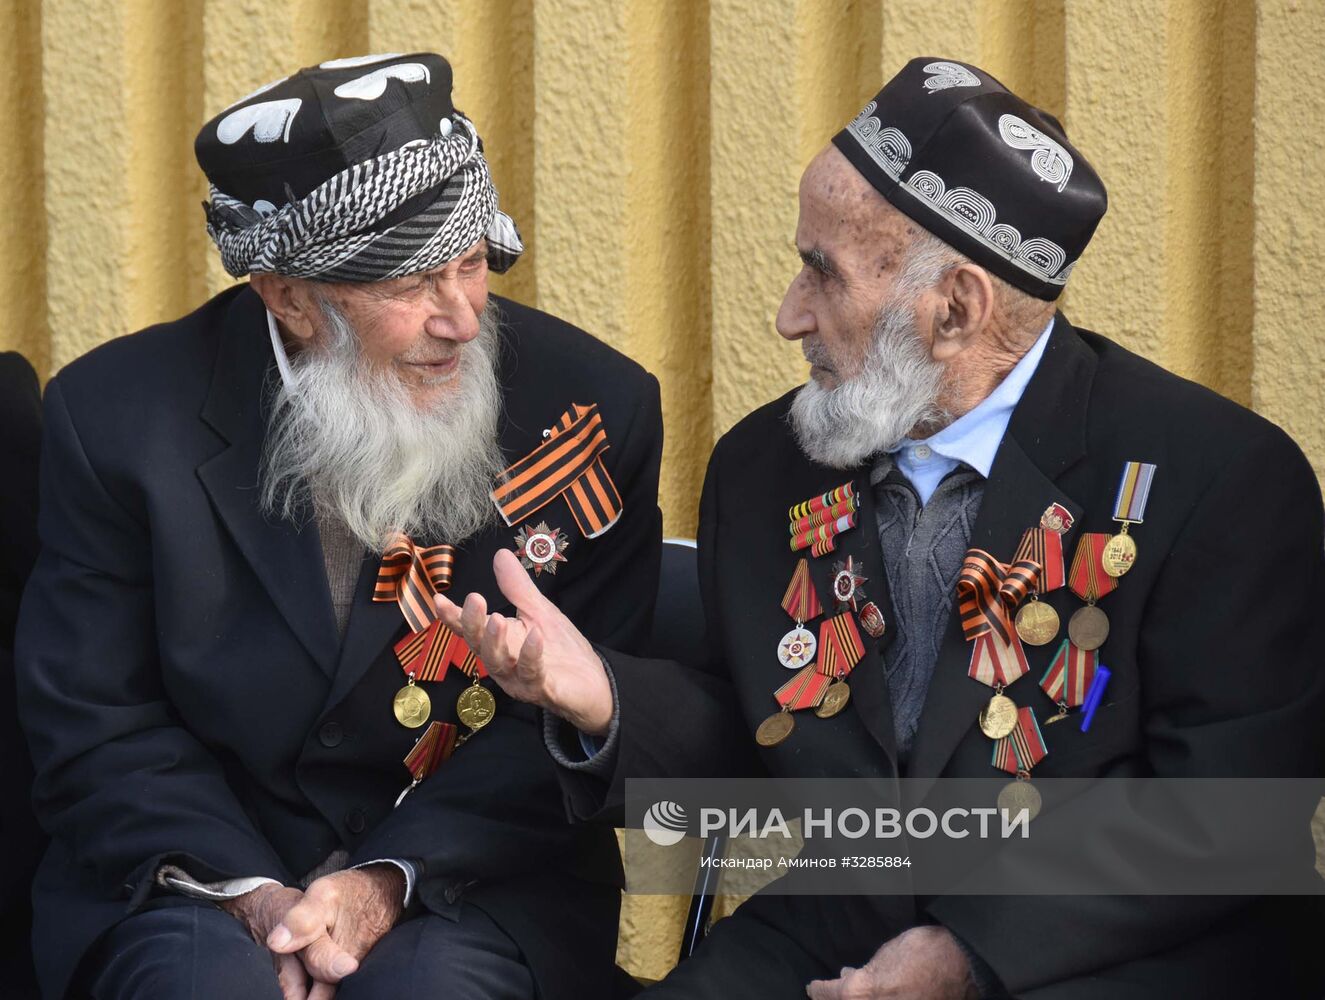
pixel 421 203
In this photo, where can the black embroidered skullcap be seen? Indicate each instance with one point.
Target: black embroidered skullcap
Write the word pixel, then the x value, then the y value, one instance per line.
pixel 354 170
pixel 981 169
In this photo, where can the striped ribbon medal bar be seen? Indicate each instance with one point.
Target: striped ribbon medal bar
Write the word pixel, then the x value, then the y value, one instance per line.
pixel 1037 623
pixel 1018 753
pixel 1069 677
pixel 987 593
pixel 805 690
pixel 429 752
pixel 1129 507
pixel 569 463
pixel 816 523
pixel 798 646
pixel 1089 626
pixel 840 649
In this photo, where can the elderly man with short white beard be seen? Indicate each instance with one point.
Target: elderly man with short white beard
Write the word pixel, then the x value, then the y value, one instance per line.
pixel 268 769
pixel 977 543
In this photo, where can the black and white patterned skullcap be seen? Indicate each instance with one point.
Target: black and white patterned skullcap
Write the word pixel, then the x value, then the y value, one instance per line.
pixel 987 173
pixel 354 170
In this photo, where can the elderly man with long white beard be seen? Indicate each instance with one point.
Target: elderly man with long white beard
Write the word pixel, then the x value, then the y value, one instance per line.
pixel 1017 551
pixel 267 768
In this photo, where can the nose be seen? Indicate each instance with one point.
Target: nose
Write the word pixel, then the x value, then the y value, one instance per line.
pixel 794 319
pixel 452 316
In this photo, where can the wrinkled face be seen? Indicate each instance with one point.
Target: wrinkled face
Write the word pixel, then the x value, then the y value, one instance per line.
pixel 418 326
pixel 852 245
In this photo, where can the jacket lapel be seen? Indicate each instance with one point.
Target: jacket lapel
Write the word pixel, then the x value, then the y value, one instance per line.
pixel 1045 436
pixel 287 558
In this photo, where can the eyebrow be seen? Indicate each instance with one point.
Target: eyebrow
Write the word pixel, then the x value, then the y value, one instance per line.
pixel 818 260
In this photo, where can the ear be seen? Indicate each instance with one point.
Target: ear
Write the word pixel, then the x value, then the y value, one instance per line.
pixel 289 301
pixel 965 310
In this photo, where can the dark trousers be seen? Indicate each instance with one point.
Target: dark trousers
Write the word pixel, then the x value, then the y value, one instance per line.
pixel 194 951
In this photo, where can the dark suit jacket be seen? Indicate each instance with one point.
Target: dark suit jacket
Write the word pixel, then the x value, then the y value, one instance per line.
pixel 182 686
pixel 21 840
pixel 1216 672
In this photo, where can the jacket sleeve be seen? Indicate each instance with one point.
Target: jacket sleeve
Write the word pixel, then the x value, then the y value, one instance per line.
pixel 496 808
pixel 1231 686
pixel 119 781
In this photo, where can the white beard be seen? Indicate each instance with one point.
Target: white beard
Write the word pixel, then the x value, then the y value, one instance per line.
pixel 349 438
pixel 896 390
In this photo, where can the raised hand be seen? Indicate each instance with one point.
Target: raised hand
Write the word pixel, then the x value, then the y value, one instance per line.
pixel 537 657
pixel 339 919
pixel 260 911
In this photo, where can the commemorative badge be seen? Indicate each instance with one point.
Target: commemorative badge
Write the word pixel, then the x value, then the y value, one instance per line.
pixel 816 523
pixel 1057 518
pixel 801 603
pixel 541 548
pixel 1129 508
pixel 871 620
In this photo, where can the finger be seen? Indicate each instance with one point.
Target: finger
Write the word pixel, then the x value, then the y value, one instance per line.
pixel 518 586
pixel 328 962
pixel 824 989
pixel 302 924
pixel 529 664
pixel 496 651
pixel 291 977
pixel 322 991
pixel 473 617
pixel 448 611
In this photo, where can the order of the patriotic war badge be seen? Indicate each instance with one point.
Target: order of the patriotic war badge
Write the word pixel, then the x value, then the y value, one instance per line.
pixel 540 548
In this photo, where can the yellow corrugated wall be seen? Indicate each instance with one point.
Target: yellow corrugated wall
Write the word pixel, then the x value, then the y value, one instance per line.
pixel 650 151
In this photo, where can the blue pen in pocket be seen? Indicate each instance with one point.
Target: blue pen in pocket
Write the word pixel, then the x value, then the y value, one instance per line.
pixel 1094 696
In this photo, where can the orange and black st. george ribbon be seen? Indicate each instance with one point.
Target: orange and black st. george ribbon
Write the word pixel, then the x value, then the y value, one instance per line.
pixel 412 576
pixel 570 464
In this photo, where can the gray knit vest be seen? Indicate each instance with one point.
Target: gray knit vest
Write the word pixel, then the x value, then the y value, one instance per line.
pixel 922 549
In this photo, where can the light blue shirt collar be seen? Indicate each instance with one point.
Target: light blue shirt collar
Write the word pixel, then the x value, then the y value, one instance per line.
pixel 973 438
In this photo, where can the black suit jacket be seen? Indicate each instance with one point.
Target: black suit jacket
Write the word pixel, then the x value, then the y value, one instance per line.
pixel 183 690
pixel 1216 672
pixel 21 840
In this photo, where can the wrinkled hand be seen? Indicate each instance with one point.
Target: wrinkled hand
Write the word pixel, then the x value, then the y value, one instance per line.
pixel 924 963
pixel 260 911
pixel 339 919
pixel 538 657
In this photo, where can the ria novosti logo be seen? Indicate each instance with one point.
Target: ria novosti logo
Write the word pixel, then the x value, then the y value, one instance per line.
pixel 665 823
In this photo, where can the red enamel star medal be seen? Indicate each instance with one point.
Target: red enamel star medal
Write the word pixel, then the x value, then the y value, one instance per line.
pixel 540 547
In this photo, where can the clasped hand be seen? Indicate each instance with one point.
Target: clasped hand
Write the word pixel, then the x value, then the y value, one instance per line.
pixel 324 932
pixel 538 656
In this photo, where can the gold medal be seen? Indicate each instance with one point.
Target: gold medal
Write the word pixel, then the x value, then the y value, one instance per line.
pixel 1119 554
pixel 1037 623
pixel 476 706
pixel 999 717
pixel 835 699
pixel 412 706
pixel 1088 628
pixel 1018 795
pixel 774 729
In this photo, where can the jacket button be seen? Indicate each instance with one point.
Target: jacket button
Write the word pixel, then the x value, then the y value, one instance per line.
pixel 331 734
pixel 355 821
pixel 452 893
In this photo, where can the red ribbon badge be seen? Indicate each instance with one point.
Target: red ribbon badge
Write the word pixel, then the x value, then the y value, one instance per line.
pixel 1087 578
pixel 840 645
pixel 805 689
pixel 1069 675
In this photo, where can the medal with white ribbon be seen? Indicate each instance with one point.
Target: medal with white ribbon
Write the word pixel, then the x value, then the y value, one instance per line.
pixel 798 646
pixel 1129 508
